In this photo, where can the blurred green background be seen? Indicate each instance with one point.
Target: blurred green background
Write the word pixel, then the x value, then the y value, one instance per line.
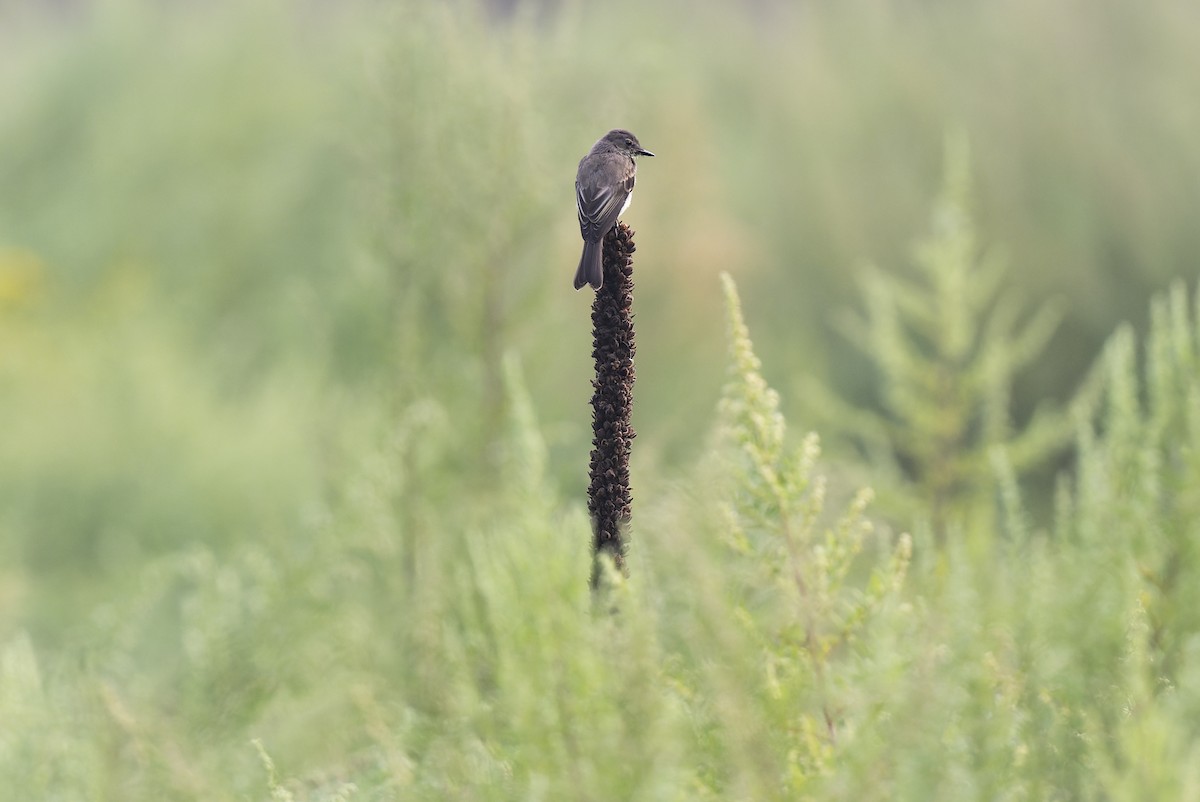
pixel 247 248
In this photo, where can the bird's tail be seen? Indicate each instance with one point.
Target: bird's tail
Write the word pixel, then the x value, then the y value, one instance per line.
pixel 591 266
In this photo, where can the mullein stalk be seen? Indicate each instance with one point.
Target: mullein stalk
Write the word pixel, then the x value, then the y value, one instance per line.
pixel 609 495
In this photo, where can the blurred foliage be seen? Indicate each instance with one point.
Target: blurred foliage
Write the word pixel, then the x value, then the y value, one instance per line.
pixel 946 350
pixel 294 390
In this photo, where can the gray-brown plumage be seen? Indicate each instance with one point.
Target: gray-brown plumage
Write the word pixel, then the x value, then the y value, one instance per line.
pixel 603 189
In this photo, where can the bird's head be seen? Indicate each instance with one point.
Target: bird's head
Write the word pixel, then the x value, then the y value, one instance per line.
pixel 625 142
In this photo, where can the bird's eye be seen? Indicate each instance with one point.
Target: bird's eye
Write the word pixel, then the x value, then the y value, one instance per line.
pixel 629 142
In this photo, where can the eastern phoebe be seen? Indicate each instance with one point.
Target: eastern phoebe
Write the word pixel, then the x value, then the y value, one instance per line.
pixel 603 189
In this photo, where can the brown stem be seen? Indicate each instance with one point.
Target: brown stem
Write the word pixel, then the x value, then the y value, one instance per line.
pixel 609 496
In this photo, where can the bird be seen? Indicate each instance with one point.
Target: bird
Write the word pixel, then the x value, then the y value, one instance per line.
pixel 603 189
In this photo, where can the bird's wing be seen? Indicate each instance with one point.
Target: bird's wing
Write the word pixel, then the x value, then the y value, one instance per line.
pixel 600 208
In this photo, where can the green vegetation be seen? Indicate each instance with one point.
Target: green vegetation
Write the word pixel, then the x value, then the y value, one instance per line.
pixel 294 390
pixel 946 350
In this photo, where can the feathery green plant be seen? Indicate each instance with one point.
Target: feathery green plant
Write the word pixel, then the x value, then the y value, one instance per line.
pixel 1139 476
pixel 1066 666
pixel 947 345
pixel 807 604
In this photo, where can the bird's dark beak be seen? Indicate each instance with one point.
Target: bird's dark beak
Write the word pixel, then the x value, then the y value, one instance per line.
pixel 643 152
